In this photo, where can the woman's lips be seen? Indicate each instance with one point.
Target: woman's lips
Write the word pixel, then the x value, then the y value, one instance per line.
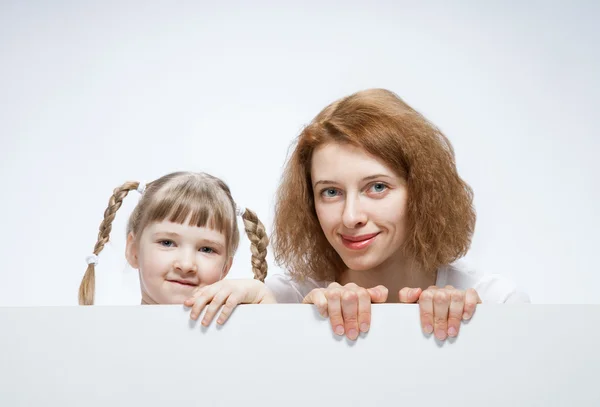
pixel 358 242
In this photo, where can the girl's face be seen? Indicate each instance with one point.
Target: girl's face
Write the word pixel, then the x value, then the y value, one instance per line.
pixel 173 260
pixel 361 205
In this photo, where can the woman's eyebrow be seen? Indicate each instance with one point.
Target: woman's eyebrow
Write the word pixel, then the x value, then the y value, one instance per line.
pixel 370 177
pixel 323 181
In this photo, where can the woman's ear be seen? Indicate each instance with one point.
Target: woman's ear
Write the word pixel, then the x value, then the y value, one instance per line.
pixel 131 251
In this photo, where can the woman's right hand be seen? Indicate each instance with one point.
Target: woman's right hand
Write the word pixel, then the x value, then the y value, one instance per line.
pixel 348 307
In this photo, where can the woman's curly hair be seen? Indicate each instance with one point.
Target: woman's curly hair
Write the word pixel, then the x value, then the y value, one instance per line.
pixel 441 217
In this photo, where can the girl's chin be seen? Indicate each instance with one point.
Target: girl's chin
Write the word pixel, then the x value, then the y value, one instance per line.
pixel 165 299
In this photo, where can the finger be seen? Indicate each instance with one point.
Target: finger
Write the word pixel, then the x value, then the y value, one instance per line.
pixel 192 299
pixel 364 310
pixel 200 301
pixel 410 295
pixel 317 297
pixel 403 295
pixel 378 294
pixel 334 308
pixel 350 313
pixel 471 301
pixel 457 304
pixel 426 310
pixel 216 303
pixel 441 305
pixel 232 301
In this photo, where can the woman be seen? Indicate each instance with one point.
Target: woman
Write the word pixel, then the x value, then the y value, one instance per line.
pixel 371 209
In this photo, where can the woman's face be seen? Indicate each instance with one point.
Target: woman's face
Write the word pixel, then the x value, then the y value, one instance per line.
pixel 361 204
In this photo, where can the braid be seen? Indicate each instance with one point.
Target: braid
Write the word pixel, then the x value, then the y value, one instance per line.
pixel 88 283
pixel 259 242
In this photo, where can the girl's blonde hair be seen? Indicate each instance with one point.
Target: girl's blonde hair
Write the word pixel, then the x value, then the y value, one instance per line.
pixel 203 198
pixel 441 216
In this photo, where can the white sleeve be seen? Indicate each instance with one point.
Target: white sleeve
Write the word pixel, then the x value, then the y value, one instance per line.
pixel 492 288
pixel 517 297
pixel 284 289
pixel 499 290
pixel 289 291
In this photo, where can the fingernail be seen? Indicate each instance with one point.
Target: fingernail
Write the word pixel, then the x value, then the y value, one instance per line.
pixel 452 331
pixel 428 329
pixel 440 334
pixel 364 327
pixel 339 330
pixel 194 316
pixel 220 321
pixel 353 334
pixel 466 315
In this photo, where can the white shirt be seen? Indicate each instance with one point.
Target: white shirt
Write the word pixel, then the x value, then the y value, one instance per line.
pixel 492 288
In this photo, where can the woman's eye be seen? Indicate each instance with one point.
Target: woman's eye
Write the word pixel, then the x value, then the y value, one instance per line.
pixel 206 250
pixel 166 243
pixel 379 187
pixel 329 192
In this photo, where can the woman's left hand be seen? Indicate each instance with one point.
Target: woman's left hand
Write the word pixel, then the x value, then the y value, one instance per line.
pixel 442 309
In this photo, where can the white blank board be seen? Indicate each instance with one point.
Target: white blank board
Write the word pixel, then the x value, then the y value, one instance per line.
pixel 286 355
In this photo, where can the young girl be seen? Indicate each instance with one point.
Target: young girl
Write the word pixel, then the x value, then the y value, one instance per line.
pixel 182 237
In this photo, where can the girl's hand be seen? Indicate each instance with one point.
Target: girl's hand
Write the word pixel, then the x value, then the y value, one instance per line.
pixel 348 307
pixel 227 293
pixel 442 309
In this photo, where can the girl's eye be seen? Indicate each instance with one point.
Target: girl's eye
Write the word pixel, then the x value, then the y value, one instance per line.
pixel 379 187
pixel 166 243
pixel 206 250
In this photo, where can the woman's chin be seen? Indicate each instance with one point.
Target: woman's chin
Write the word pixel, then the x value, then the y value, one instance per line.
pixel 361 263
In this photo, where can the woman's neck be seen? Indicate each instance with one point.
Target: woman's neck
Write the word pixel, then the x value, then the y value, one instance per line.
pixel 395 273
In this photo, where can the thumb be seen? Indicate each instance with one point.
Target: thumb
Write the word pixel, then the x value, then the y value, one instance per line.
pixel 410 295
pixel 267 297
pixel 308 299
pixel 252 291
pixel 378 294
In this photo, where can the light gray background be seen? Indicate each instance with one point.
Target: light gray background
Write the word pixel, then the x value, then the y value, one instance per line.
pixel 96 93
pixel 267 356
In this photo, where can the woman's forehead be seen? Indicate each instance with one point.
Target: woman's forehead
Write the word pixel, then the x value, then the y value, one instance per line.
pixel 335 160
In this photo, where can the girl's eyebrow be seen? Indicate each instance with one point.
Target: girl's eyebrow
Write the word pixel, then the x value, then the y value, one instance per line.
pixel 169 234
pixel 213 242
pixel 204 240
